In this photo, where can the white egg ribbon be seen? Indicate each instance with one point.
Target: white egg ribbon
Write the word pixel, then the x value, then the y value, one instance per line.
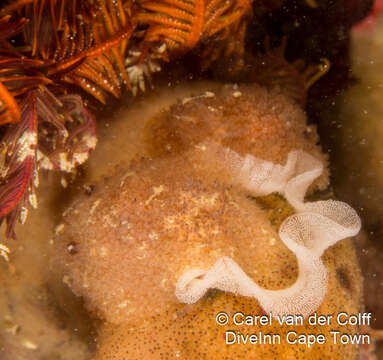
pixel 308 233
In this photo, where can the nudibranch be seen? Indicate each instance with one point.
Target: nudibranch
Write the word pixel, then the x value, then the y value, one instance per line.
pixel 205 196
pixel 308 233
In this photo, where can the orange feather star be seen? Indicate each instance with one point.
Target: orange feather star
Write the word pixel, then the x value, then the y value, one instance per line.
pixel 97 47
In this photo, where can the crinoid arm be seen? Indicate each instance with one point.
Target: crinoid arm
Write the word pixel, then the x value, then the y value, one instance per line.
pixel 9 109
pixel 84 41
pixel 175 27
pixel 312 3
pixel 54 133
pixel 19 173
pixel 71 128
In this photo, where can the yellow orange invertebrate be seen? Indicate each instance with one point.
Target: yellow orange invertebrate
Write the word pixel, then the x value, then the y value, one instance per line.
pixel 147 225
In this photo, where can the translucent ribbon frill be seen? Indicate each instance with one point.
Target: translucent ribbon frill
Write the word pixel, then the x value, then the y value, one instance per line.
pixel 308 233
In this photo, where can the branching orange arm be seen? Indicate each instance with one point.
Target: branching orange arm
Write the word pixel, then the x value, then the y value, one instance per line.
pixel 15 5
pixel 198 24
pixel 178 23
pixel 9 109
pixel 93 52
pixel 20 162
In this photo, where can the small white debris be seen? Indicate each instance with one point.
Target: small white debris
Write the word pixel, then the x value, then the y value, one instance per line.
pixel 123 305
pixel 67 211
pixel 139 72
pixel 272 241
pixel 30 345
pixel 129 173
pixel 23 215
pixel 13 329
pixel 170 219
pixel 36 181
pixel 80 157
pixel 4 252
pixel 201 147
pixel 90 141
pixel 143 247
pixel 44 161
pixel 64 182
pixel 67 281
pixel 153 236
pixel 59 229
pixel 137 79
pixel 109 221
pixel 212 109
pixel 94 206
pixel 27 143
pixel 64 163
pixel 157 190
pixel 33 200
pixel 161 49
pixel 103 251
pixel 186 100
pixel 207 94
pixel 237 94
pixel 135 53
pixel 264 231
pixel 71 248
pixel 215 231
pixel 4 171
pixel 163 283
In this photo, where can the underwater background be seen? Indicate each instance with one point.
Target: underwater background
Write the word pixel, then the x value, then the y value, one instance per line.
pixel 121 74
